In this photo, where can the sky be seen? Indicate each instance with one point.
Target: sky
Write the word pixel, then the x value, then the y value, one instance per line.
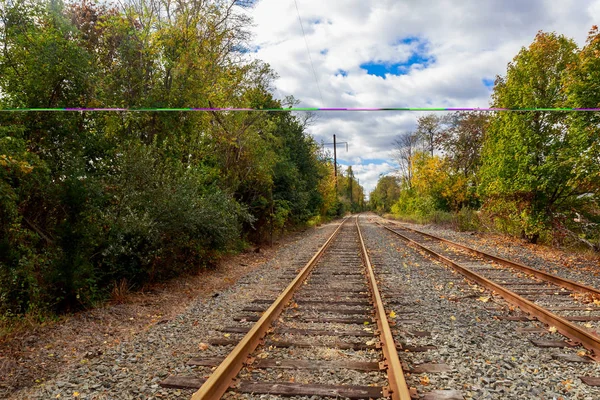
pixel 398 53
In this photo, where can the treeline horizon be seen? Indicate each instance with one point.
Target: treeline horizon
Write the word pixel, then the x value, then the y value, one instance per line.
pixel 532 174
pixel 94 201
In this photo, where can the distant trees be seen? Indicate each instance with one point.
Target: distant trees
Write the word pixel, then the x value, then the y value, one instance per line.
pixel 350 193
pixel 385 194
pixel 438 164
pixel 532 173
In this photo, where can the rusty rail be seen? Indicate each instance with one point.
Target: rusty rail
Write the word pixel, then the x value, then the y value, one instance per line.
pixel 557 280
pixel 220 380
pixel 397 384
pixel 566 328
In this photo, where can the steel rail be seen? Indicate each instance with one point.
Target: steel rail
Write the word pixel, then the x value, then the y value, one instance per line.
pixel 221 379
pixel 557 280
pixel 397 384
pixel 566 328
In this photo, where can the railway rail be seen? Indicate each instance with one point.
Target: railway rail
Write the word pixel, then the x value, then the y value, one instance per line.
pixel 334 304
pixel 568 306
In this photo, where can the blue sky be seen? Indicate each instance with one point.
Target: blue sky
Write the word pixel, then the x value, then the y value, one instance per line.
pixel 390 53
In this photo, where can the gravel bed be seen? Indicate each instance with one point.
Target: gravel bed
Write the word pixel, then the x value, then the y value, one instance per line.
pixel 133 369
pixel 488 358
pixel 322 340
pixel 585 271
pixel 323 353
pixel 322 376
pixel 323 325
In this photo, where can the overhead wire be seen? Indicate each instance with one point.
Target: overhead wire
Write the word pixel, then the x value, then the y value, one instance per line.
pixel 308 51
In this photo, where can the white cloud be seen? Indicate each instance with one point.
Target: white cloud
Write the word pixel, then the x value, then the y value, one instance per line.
pixel 469 41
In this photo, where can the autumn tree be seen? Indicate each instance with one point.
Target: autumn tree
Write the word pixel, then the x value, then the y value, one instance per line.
pixel 462 141
pixel 90 200
pixel 583 88
pixel 527 163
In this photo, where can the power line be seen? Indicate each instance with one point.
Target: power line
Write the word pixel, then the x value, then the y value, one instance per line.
pixel 308 51
pixel 333 109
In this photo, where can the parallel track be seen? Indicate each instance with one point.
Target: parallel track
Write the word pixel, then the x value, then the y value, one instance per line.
pixel 511 274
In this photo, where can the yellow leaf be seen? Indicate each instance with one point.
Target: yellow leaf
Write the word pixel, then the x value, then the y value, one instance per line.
pixel 227 334
pixel 483 299
pixel 581 353
pixel 588 325
pixel 424 380
pixel 366 323
pixel 75 394
pixel 452 318
pixel 203 346
pixel 371 342
pixel 552 329
pixel 392 314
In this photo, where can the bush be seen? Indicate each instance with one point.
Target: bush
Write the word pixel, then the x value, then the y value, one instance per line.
pixel 466 219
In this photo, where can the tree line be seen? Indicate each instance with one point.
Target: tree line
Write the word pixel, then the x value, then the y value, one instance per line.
pixel 93 200
pixel 535 174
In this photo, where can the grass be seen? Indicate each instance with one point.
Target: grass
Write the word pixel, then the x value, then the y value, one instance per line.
pixel 13 326
pixel 465 220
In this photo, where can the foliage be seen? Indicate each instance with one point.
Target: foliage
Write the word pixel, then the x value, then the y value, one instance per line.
pixel 429 130
pixel 533 174
pixel 91 200
pixel 385 194
pixel 582 85
pixel 528 157
pixel 433 187
pixel 350 193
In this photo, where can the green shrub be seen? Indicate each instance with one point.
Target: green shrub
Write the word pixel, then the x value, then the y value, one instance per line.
pixel 466 219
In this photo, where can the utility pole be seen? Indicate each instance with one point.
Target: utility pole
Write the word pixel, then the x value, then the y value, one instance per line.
pixel 351 178
pixel 335 161
pixel 361 199
pixel 335 157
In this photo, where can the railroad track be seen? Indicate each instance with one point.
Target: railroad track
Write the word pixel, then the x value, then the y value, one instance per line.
pixel 569 307
pixel 331 317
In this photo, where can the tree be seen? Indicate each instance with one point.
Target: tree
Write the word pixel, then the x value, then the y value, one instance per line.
pixel 583 88
pixel 527 159
pixel 88 200
pixel 385 194
pixel 462 141
pixel 405 150
pixel 351 194
pixel 429 129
